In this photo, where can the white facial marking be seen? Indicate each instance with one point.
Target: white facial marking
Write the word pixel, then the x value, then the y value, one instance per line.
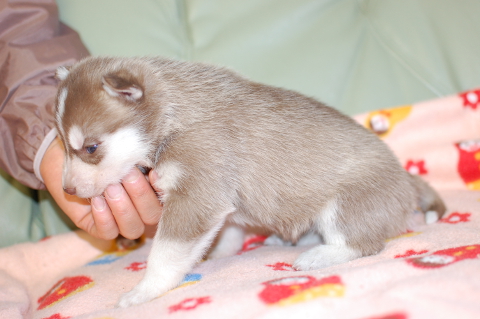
pixel 125 145
pixel 76 137
pixel 122 150
pixel 61 107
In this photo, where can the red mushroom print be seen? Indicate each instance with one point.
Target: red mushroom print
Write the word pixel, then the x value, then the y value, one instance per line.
pixel 446 257
pixel 291 290
pixel 382 122
pixel 396 315
pixel 282 267
pixel 252 243
pixel 410 253
pixel 66 287
pixel 471 99
pixel 469 163
pixel 137 266
pixel 456 217
pixel 416 167
pixel 189 304
pixel 57 316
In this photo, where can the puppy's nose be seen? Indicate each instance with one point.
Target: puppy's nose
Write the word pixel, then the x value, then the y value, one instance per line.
pixel 70 191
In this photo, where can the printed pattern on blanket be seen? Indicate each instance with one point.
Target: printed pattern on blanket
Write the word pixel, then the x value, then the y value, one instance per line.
pixel 428 272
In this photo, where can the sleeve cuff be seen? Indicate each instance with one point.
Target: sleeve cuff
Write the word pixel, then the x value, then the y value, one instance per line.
pixel 41 152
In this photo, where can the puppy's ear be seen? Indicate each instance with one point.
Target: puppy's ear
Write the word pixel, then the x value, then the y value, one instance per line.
pixel 123 86
pixel 62 73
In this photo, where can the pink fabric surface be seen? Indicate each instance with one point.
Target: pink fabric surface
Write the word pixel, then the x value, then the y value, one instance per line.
pixel 430 272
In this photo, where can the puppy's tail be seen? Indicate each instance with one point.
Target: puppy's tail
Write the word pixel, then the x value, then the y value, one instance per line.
pixel 429 201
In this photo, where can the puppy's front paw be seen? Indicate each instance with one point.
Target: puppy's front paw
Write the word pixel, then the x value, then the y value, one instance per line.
pixel 140 294
pixel 323 256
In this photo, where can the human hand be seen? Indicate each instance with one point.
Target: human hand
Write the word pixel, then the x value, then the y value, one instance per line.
pixel 125 209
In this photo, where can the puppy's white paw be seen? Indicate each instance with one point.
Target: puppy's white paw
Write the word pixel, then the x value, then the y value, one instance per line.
pixel 274 240
pixel 154 284
pixel 309 239
pixel 323 256
pixel 431 217
pixel 230 242
pixel 138 295
pixel 224 250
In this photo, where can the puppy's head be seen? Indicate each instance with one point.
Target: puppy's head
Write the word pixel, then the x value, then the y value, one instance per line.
pixel 98 118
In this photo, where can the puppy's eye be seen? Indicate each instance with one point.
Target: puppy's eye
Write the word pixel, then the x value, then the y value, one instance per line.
pixel 91 148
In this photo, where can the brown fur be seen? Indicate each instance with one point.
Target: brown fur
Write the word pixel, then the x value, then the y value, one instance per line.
pixel 276 157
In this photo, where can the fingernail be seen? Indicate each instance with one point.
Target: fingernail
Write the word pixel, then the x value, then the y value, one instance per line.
pixel 114 191
pixel 98 203
pixel 132 176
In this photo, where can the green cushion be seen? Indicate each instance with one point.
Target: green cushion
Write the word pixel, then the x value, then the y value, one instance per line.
pixel 354 55
pixel 26 214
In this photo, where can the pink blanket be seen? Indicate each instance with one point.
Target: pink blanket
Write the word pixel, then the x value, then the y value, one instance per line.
pixel 430 272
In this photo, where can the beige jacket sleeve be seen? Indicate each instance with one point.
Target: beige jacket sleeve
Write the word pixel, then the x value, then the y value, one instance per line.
pixel 33 43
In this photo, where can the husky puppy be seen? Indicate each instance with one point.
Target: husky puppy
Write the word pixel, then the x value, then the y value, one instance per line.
pixel 231 151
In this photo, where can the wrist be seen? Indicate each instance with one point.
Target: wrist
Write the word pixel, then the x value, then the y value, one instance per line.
pixel 52 163
pixel 46 145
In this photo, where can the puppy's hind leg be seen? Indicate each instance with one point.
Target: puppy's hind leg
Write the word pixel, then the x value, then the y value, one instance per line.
pixel 335 249
pixel 429 201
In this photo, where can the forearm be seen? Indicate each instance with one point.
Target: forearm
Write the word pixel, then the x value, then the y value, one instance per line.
pixel 34 45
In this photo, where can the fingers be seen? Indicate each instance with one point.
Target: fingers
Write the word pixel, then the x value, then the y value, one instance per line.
pixel 124 210
pixel 129 206
pixel 128 221
pixel 102 221
pixel 143 197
